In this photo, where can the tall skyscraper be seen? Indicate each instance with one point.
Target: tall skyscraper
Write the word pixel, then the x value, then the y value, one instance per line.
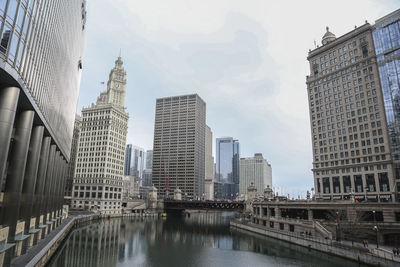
pixel 350 133
pixel 149 159
pixel 128 159
pixel 209 166
pixel 227 167
pixel 41 52
pixel 178 150
pixel 135 161
pixel 254 170
pixel 386 35
pixel 74 153
pixel 99 168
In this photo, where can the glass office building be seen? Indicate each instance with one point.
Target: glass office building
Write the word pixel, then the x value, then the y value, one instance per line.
pixel 41 50
pixel 386 36
pixel 227 167
pixel 135 159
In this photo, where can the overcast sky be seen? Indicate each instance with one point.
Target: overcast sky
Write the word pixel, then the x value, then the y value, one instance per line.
pixel 245 59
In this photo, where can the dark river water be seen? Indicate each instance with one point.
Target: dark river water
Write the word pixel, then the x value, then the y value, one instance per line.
pixel 204 239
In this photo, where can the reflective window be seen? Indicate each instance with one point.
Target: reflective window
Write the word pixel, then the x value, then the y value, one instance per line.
pixel 12 10
pixel 5 38
pixel 2 7
pixel 25 29
pixel 13 47
pixel 20 19
pixel 19 56
pixel 30 7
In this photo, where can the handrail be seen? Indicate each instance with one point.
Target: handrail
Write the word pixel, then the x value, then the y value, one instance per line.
pixel 318 226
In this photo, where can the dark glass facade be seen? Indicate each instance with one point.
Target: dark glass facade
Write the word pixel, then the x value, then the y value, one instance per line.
pixel 41 50
pixel 386 36
pixel 227 167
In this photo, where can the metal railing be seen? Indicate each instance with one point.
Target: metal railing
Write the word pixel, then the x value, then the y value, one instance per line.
pixel 286 233
pixel 372 254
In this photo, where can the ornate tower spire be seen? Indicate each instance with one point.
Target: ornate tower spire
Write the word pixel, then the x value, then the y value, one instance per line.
pixel 117 84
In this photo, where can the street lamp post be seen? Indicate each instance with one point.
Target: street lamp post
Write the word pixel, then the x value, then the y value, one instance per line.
pixel 337 227
pixel 376 229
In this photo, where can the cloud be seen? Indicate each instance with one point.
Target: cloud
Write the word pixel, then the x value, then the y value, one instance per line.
pixel 246 59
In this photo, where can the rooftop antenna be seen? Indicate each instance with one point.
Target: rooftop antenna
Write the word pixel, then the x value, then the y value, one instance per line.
pixel 120 52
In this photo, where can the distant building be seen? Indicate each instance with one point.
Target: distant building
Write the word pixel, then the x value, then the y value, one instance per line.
pixel 131 188
pixel 134 161
pixel 99 172
pixel 149 159
pixel 227 167
pixel 74 153
pixel 178 150
pixel 353 92
pixel 209 166
pixel 257 171
pixel 147 177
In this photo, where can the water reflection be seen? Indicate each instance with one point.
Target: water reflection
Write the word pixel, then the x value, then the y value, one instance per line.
pixel 200 240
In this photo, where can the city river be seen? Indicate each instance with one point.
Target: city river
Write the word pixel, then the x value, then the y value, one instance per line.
pixel 203 239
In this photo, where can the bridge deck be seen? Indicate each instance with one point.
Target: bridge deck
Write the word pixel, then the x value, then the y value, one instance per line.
pixel 203 205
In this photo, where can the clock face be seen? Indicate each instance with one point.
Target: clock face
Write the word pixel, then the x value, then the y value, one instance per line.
pixel 116 85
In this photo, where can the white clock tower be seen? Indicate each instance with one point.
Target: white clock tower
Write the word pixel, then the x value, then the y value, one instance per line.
pixel 116 84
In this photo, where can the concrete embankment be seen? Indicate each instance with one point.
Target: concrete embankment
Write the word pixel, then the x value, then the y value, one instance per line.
pixel 41 253
pixel 373 257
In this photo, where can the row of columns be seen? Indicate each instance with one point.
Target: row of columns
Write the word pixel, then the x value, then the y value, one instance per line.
pixel 259 210
pixel 32 172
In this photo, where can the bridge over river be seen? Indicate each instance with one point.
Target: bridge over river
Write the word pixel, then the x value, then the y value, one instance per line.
pixel 170 204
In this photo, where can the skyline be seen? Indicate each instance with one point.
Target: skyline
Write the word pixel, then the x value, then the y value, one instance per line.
pixel 258 69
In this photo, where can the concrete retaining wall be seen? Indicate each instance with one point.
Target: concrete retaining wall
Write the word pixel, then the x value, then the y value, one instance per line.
pixel 47 252
pixel 321 245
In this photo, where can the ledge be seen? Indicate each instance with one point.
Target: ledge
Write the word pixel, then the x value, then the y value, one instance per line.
pixel 34 231
pixel 5 247
pixel 21 237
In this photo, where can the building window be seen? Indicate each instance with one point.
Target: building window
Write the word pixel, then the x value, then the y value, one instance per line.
pixel 358 183
pixel 364 50
pixel 370 180
pixel 383 182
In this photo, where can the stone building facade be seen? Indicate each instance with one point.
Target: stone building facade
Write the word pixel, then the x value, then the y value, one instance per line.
pixel 351 148
pixel 254 170
pixel 100 161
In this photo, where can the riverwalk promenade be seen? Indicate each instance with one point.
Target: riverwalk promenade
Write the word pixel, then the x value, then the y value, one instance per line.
pixel 39 254
pixel 354 251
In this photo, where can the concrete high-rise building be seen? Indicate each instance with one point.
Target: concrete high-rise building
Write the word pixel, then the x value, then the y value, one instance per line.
pixel 99 167
pixel 135 161
pixel 209 166
pixel 149 159
pixel 227 167
pixel 74 153
pixel 179 143
pixel 349 119
pixel 386 35
pixel 254 170
pixel 41 52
